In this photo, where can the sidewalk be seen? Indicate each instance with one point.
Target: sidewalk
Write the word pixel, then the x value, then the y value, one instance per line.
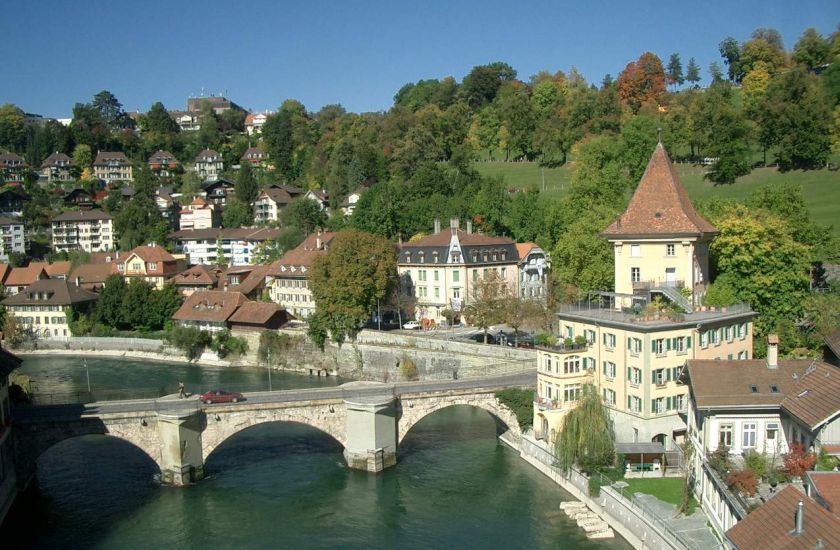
pixel 693 529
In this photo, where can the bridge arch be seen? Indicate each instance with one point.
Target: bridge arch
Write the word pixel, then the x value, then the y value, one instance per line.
pixel 221 425
pixel 35 440
pixel 416 409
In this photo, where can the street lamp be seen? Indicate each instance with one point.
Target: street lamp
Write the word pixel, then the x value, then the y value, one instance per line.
pixel 87 375
pixel 269 369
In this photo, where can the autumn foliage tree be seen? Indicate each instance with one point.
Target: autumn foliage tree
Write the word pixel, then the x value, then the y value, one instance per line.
pixel 798 461
pixel 642 81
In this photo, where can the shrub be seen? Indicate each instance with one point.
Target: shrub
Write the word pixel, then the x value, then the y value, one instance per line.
pixel 594 484
pixel 521 402
pixel 757 462
pixel 826 462
pixel 744 481
pixel 408 369
pixel 224 344
pixel 568 343
pixel 580 340
pixel 798 461
pixel 719 460
pixel 544 339
pixel 273 346
pixel 191 341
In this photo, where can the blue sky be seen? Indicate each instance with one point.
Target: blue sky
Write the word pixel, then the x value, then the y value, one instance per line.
pixel 357 53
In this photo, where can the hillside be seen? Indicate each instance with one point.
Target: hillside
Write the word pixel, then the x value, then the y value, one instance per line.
pixel 820 187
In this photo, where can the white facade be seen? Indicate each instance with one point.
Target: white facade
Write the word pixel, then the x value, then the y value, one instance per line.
pixel 88 233
pixel 12 238
pixel 203 251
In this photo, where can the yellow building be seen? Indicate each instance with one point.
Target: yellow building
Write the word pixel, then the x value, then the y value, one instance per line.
pixel 633 343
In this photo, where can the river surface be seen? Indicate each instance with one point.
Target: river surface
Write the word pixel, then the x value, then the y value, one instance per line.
pixel 284 485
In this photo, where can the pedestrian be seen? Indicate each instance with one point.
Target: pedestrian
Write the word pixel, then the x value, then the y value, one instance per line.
pixel 181 393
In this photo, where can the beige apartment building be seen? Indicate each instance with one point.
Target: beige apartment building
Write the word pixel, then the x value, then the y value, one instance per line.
pixel 41 307
pixel 288 278
pixel 209 165
pixel 633 343
pixel 110 166
pixel 441 270
pixel 88 230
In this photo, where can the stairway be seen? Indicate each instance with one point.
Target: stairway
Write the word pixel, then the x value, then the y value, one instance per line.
pixel 673 294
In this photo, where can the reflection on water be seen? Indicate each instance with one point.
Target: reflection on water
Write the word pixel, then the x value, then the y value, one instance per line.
pixel 282 485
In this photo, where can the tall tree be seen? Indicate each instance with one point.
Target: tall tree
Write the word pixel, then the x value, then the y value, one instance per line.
pixel 246 187
pixel 642 81
pixel 357 272
pixel 812 50
pixel 587 438
pixel 730 51
pixel 485 304
pixel 12 128
pixel 237 214
pixel 692 72
pixel 675 71
pixel 306 215
pixel 725 135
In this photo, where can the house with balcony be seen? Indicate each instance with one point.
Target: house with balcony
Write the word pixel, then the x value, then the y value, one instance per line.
pixel 187 121
pixel 255 121
pixel 319 197
pixel 209 310
pixel 12 238
pixel 199 214
pixel 443 269
pixel 255 156
pixel 112 166
pixel 201 246
pixel 152 264
pixel 41 306
pixel 533 271
pixel 78 197
pixel 288 277
pixel 762 406
pixel 163 164
pixel 12 200
pixel 632 344
pixel 217 192
pixel 88 230
pixel 209 165
pixel 12 168
pixel 57 168
pixel 272 201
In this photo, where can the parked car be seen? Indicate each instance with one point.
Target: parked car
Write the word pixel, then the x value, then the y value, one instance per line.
pixel 221 396
pixel 480 338
pixel 411 325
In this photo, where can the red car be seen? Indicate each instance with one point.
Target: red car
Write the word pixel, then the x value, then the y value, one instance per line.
pixel 221 396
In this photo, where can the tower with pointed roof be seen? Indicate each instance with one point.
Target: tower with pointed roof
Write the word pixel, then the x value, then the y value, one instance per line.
pixel 660 241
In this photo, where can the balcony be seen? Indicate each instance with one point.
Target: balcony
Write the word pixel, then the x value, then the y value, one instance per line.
pixel 562 348
pixel 545 404
pixel 652 284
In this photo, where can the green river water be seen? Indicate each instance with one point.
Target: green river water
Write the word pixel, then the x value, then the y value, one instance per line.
pixel 283 485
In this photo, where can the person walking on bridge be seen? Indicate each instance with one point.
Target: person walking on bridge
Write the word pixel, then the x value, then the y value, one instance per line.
pixel 181 393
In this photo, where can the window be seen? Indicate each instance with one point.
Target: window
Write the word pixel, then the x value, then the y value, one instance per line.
pixel 658 377
pixel 725 435
pixel 658 346
pixel 504 273
pixel 714 336
pixel 704 339
pixel 609 397
pixel 475 274
pixel 437 292
pixel 635 275
pixel 742 330
pixel 571 365
pixel 634 375
pixel 435 257
pixel 548 364
pixel 634 345
pixel 748 439
pixel 422 275
pixel 570 331
pixel 609 340
pixel 634 404
pixel 423 292
pixel 589 335
pixel 456 292
pixel 678 344
pixel 609 369
pixel 728 333
pixel 571 392
pixel 436 275
pixel 635 250
pixel 456 276
pixel 422 257
pixel 657 406
pixel 670 249
pixel 772 435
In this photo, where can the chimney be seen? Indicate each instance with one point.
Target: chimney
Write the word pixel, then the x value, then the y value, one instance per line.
pixel 318 241
pixel 469 226
pixel 437 226
pixel 800 519
pixel 454 223
pixel 772 351
pixel 78 281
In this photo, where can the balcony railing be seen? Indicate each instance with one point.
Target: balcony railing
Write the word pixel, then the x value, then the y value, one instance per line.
pixel 657 283
pixel 545 404
pixel 562 348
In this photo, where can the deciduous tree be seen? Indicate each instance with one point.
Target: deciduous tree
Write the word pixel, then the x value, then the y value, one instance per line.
pixel 587 438
pixel 642 81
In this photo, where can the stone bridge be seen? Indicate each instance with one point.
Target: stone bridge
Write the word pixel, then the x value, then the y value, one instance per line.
pixel 369 419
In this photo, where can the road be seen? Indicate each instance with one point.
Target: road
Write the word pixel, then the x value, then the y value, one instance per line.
pixel 345 391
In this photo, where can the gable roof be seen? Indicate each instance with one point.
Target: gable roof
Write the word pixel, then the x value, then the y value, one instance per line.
pixel 523 249
pixel 255 313
pixel 771 525
pixel 25 276
pixel 209 305
pixel 57 269
pixel 57 159
pixel 208 155
pixel 660 205
pixel 254 280
pixel 276 194
pixel 151 254
pixel 814 399
pixel 833 342
pixel 196 275
pixel 82 216
pixel 93 274
pixel 60 292
pixel 4 272
pixel 162 157
pixel 303 255
pixel 104 157
pixel 827 485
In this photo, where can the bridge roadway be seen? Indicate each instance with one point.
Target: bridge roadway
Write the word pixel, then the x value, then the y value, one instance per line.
pixel 368 419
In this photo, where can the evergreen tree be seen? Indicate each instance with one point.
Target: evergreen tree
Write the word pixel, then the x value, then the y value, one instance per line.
pixel 246 187
pixel 692 73
pixel 675 71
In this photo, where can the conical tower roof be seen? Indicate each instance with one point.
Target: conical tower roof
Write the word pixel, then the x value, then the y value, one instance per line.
pixel 660 206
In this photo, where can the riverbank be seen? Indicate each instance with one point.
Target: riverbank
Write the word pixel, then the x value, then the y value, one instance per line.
pixel 132 354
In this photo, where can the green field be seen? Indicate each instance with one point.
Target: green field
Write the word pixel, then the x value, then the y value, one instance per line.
pixel 821 188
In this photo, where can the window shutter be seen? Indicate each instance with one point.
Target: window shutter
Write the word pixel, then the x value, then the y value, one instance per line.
pixel 667 344
pixel 629 375
pixel 629 343
pixel 653 346
pixel 653 377
pixel 653 405
pixel 668 403
pixel 688 342
pixel 629 407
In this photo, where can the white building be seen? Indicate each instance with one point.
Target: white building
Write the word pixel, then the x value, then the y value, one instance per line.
pixel 88 230
pixel 201 246
pixel 13 238
pixel 209 165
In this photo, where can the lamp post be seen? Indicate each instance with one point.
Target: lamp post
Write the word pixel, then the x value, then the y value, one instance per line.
pixel 87 376
pixel 269 370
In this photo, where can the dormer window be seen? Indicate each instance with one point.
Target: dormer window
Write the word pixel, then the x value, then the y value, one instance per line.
pixel 504 255
pixel 422 258
pixel 435 257
pixel 475 256
pixel 495 257
pixel 408 257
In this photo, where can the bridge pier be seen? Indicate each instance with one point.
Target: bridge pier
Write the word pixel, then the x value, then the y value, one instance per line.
pixel 371 433
pixel 181 457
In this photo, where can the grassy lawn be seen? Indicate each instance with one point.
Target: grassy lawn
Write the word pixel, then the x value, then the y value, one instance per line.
pixel 820 187
pixel 666 489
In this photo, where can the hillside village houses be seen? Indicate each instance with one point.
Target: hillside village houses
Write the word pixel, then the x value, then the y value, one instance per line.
pixel 88 230
pixel 255 121
pixel 199 214
pixel 441 270
pixel 255 156
pixel 209 165
pixel 12 237
pixel 272 200
pixel 533 271
pixel 289 276
pixel 201 246
pixel 56 168
pixel 633 344
pixel 163 163
pixel 112 166
pixel 12 168
pixel 152 264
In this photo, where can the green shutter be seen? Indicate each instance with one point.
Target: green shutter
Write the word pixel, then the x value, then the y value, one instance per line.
pixel 653 346
pixel 667 344
pixel 669 403
pixel 628 374
pixel 629 343
pixel 688 342
pixel 653 377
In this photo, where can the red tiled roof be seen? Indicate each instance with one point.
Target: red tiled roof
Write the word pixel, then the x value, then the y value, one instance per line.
pixel 660 205
pixel 90 274
pixel 814 400
pixel 771 525
pixel 828 487
pixel 833 342
pixel 58 268
pixel 255 313
pixel 209 305
pixel 25 276
pixel 303 255
pixel 151 254
pixel 466 239
pixel 524 248
pixel 4 272
pixel 58 292
pixel 196 275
